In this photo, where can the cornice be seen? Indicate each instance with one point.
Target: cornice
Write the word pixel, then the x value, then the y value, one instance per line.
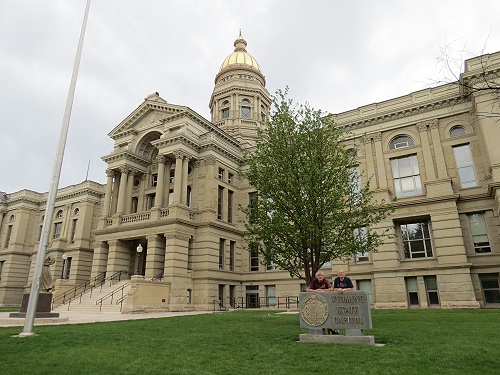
pixel 125 155
pixel 397 114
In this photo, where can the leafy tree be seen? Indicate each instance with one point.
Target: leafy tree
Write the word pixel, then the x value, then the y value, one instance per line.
pixel 309 207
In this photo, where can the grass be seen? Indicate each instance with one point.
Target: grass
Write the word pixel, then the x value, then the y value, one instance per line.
pixel 258 342
pixel 9 309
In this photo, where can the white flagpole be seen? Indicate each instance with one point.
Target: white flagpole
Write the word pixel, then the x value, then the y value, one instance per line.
pixel 35 284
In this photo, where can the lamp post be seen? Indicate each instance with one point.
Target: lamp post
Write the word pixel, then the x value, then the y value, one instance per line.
pixel 139 251
pixel 64 257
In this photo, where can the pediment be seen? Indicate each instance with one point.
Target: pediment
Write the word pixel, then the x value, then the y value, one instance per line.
pixel 149 114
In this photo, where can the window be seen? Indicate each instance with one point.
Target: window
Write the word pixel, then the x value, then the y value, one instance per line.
pixel 232 254
pixel 220 197
pixel 221 174
pixel 40 233
pixel 432 290
pixel 230 177
pixel 230 195
pixel 491 287
pixel 76 211
pixel 172 175
pixel 400 142
pixel 457 131
pixel 366 285
pixel 190 254
pixel 271 295
pixel 245 112
pixel 254 258
pixel 2 263
pixel 59 214
pixel 232 295
pixel 252 203
pixel 73 231
pixel 12 218
pixel 68 268
pixel 222 247
pixel 465 166
pixel 416 240
pixel 150 201
pixel 479 232
pixel 135 204
pixel 355 182
pixel 406 176
pixel 57 230
pixel 188 297
pixel 154 180
pixel 7 238
pixel 189 192
pixel 412 290
pixel 225 113
pixel 360 235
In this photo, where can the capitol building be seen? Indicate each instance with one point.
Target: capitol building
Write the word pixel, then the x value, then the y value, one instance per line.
pixel 166 230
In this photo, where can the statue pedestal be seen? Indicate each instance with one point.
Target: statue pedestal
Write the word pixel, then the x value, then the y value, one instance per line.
pixel 42 308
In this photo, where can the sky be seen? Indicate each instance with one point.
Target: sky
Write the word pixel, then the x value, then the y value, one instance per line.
pixel 335 55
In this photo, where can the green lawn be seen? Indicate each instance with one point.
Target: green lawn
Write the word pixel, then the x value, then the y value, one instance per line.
pixel 9 309
pixel 258 342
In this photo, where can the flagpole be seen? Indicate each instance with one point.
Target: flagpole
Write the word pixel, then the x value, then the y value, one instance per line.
pixel 35 284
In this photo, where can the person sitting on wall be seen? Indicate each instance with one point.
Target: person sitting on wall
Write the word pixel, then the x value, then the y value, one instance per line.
pixel 319 284
pixel 342 283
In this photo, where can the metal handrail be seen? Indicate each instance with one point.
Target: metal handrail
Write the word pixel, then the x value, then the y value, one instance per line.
pixel 111 295
pixel 95 281
pixel 221 306
pixel 116 275
pixel 158 277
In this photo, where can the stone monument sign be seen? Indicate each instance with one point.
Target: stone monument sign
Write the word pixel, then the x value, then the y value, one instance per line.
pixel 322 312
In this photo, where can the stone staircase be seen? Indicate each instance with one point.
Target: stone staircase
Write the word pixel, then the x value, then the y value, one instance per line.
pixel 88 300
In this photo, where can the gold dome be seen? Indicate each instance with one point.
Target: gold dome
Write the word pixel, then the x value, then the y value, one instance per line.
pixel 240 56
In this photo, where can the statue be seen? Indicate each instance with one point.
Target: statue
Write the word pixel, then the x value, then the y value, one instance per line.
pixel 47 283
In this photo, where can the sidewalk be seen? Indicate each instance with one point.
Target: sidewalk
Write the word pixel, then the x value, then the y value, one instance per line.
pixel 76 317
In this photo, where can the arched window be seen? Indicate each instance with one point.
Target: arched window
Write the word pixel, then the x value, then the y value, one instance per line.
pixel 457 131
pixel 12 218
pixel 245 112
pixel 59 214
pixel 76 211
pixel 225 109
pixel 246 101
pixel 400 141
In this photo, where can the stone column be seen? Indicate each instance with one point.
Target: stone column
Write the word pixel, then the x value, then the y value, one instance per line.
pixel 141 206
pixel 100 259
pixel 114 196
pixel 381 176
pixel 122 192
pixel 438 150
pixel 118 257
pixel 175 267
pixel 130 186
pixel 209 182
pixel 185 165
pixel 155 257
pixel 178 177
pixel 109 189
pixel 168 168
pixel 370 166
pixel 160 182
pixel 426 148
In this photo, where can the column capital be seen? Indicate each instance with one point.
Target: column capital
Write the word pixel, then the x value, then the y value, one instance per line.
pixel 161 159
pixel 110 173
pixel 210 160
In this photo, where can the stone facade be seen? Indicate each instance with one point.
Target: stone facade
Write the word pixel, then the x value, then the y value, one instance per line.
pixel 174 185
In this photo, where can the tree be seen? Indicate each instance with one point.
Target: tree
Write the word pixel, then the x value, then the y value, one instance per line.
pixel 484 78
pixel 310 208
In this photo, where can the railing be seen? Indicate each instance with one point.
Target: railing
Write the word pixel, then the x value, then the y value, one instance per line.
pixel 112 294
pixel 83 287
pixel 133 218
pixel 115 277
pixel 219 303
pixel 123 297
pixel 286 302
pixel 158 277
